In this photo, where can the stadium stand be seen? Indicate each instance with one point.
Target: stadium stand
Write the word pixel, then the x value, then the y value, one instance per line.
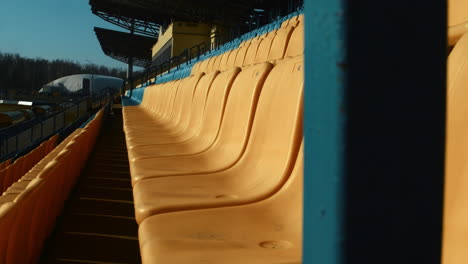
pixel 30 206
pixel 223 143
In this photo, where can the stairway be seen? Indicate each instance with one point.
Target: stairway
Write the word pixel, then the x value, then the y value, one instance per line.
pixel 98 225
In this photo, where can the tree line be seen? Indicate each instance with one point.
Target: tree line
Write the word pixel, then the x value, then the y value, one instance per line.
pixel 26 76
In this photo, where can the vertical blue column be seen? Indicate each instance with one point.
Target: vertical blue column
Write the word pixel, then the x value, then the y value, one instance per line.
pixel 323 128
pixel 374 125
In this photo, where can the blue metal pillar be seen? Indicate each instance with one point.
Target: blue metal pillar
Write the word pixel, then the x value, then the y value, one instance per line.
pixel 374 131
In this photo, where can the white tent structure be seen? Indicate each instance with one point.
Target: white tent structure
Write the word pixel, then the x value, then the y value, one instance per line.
pixel 73 84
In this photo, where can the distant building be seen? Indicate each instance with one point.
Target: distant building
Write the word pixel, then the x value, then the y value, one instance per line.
pixel 84 84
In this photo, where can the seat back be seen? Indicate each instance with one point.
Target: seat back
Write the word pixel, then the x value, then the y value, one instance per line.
pixel 278 47
pixel 183 100
pixel 198 105
pixel 204 65
pixel 263 50
pixel 223 64
pixel 20 242
pixel 251 53
pixel 231 62
pixel 240 109
pixel 455 224
pixel 7 219
pixel 296 42
pixel 215 103
pixel 276 132
pixel 170 94
pixel 240 56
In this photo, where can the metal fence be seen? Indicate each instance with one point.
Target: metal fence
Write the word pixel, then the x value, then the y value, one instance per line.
pixel 20 137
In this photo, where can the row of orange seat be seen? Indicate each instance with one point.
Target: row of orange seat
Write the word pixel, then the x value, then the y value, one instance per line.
pixel 9 173
pixel 216 159
pixel 29 207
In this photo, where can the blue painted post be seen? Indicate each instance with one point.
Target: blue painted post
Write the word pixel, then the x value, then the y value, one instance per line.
pixel 323 128
pixel 374 124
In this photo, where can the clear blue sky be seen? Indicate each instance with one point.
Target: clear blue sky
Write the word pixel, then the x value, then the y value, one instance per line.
pixel 53 29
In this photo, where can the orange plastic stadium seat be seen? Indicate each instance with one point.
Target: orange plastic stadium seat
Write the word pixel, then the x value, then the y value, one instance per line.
pixel 217 64
pixel 265 232
pixel 300 19
pixel 28 163
pixel 263 50
pixel 251 53
pixel 7 219
pixel 13 173
pixel 231 62
pixel 228 146
pixel 271 34
pixel 189 124
pixel 296 42
pixel 278 47
pixel 51 143
pixel 6 163
pixel 204 64
pixel 240 56
pixel 157 103
pixel 22 238
pixel 224 60
pixel 263 167
pixel 146 117
pixel 285 23
pixel 19 186
pixel 40 152
pixel 457 20
pixel 140 117
pixel 455 241
pixel 208 131
pixel 196 68
pixel 212 64
pixel 43 162
pixel 3 186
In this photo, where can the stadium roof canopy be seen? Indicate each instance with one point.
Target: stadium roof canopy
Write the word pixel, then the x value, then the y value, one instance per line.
pixel 148 15
pixel 121 46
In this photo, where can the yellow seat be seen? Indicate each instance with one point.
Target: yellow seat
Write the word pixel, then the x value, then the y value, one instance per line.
pixel 189 124
pixel 265 232
pixel 295 45
pixel 214 64
pixel 455 224
pixel 226 149
pixel 231 62
pixel 251 53
pixel 157 105
pixel 147 116
pixel 300 19
pixel 3 186
pixel 204 65
pixel 12 173
pixel 51 143
pixel 263 50
pixel 457 20
pixel 217 62
pixel 208 131
pixel 271 34
pixel 7 219
pixel 263 167
pixel 50 156
pixel 23 241
pixel 280 43
pixel 240 56
pixel 223 64
pixel 195 68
